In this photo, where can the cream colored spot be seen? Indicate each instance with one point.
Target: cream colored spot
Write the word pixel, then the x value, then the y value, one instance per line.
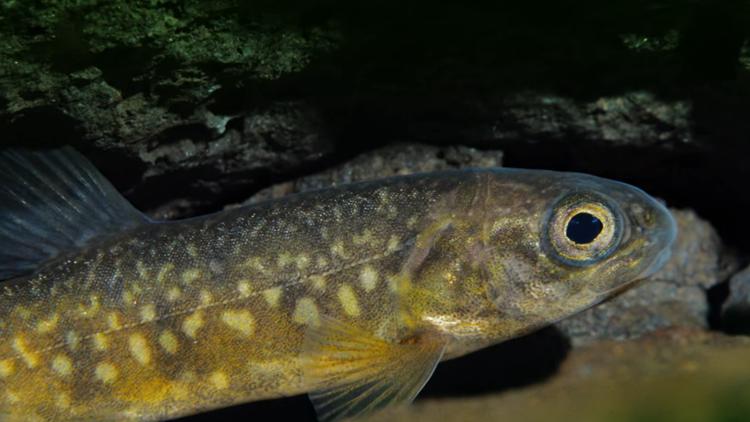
pixel 47 325
pixel 244 288
pixel 62 365
pixel 139 349
pixel 142 270
pixel 72 340
pixel 192 324
pixel 29 357
pixel 168 342
pixel 113 320
pixel 88 311
pixel 365 238
pixel 338 249
pixel 106 372
pixel 284 259
pixel 393 244
pixel 192 251
pixel 369 278
pixel 128 298
pixel 272 296
pixel 148 313
pixel 240 320
pixel 173 294
pixel 306 312
pixel 190 276
pixel 302 262
pixel 318 281
pixel 205 297
pixel 12 397
pixel 6 368
pixel 164 272
pixel 322 262
pixel 62 400
pixel 219 380
pixel 101 342
pixel 348 300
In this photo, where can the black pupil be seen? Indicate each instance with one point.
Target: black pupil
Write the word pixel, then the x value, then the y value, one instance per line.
pixel 583 228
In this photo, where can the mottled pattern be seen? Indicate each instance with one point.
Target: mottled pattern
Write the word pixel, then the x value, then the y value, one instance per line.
pixel 173 318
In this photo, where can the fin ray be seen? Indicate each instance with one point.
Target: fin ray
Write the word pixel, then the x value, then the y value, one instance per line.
pixel 356 373
pixel 53 202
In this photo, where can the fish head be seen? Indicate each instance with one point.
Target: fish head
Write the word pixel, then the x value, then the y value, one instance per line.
pixel 554 244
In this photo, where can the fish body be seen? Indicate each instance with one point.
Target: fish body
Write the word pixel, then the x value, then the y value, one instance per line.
pixel 352 294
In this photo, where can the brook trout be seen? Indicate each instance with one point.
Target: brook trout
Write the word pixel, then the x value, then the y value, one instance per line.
pixel 352 294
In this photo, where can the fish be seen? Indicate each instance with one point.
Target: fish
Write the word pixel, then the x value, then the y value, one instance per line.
pixel 351 294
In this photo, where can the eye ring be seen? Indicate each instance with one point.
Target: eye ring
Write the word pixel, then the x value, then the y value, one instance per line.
pixel 582 229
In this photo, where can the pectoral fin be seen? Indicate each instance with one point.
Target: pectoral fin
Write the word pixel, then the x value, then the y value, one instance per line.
pixel 357 372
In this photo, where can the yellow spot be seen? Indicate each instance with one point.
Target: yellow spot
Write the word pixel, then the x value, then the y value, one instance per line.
pixel 101 342
pixel 393 244
pixel 306 312
pixel 142 270
pixel 62 365
pixel 62 400
pixel 106 372
pixel 256 264
pixel 192 250
pixel 12 397
pixel 244 288
pixel 348 300
pixel 72 340
pixel 369 278
pixel 168 342
pixel 219 380
pixel 148 313
pixel 284 260
pixel 192 324
pixel 272 296
pixel 365 238
pixel 322 262
pixel 338 249
pixel 6 368
pixel 173 294
pixel 30 358
pixel 205 297
pixel 240 320
pixel 190 276
pixel 128 298
pixel 88 311
pixel 164 272
pixel 139 348
pixel 47 325
pixel 302 262
pixel 113 320
pixel 318 281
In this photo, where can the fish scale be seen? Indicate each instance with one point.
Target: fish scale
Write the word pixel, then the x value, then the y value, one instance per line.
pixel 352 294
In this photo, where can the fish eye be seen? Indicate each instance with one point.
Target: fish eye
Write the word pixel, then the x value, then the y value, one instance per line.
pixel 583 229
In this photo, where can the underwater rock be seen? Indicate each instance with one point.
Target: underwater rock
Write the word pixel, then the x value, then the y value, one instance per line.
pixel 673 297
pixel 669 375
pixel 393 160
pixel 736 309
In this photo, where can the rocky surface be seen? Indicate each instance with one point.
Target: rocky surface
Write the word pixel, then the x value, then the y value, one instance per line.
pixel 736 309
pixel 669 375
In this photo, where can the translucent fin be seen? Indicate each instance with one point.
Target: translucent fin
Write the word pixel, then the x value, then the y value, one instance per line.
pixel 357 373
pixel 51 202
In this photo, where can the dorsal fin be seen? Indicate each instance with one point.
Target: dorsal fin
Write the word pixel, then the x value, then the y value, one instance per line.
pixel 51 202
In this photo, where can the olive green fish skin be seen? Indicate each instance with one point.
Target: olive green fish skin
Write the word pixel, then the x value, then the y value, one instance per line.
pixel 174 318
